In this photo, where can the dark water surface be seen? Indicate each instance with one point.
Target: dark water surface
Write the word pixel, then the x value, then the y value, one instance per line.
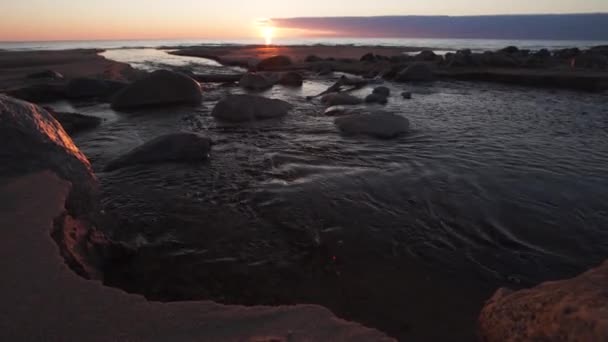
pixel 495 186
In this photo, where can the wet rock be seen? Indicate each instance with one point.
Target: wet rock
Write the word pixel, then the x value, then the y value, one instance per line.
pixel 406 95
pixel 462 58
pixel 313 59
pixel 39 93
pixel 376 98
pixel 258 81
pixel 542 53
pixel 592 60
pixel 567 310
pixel 73 123
pixel 499 59
pixel 161 87
pixel 566 53
pixel 340 99
pixel 417 72
pixel 292 79
pixel 178 147
pixel 511 50
pixel 325 69
pixel 427 56
pixel 275 62
pixel 242 108
pixel 368 57
pixel 82 88
pixel 384 91
pixel 338 111
pixel 601 49
pixel 380 125
pixel 48 74
pixel 32 140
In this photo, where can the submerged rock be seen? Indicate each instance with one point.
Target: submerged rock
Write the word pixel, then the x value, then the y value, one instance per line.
pixel 379 124
pixel 417 72
pixel 73 122
pixel 241 108
pixel 274 63
pixel 178 147
pixel 340 99
pixel 161 87
pixel 567 310
pixel 258 81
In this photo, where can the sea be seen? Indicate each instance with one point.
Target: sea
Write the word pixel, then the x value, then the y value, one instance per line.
pixel 494 186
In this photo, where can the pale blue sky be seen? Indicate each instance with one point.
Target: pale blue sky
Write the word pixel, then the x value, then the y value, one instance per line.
pixel 113 19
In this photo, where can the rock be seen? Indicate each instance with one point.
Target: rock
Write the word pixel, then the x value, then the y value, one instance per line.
pixel 510 50
pixel 161 87
pixel 417 72
pixel 178 147
pixel 542 53
pixel 384 91
pixel 368 57
pixel 39 93
pixel 590 59
pixel 601 49
pixel 274 63
pixel 340 99
pixel 292 78
pixel 567 53
pixel 427 56
pixel 376 98
pixel 73 122
pixel 82 88
pixel 462 58
pixel 567 310
pixel 313 59
pixel 499 59
pixel 49 74
pixel 258 81
pixel 406 95
pixel 338 111
pixel 241 108
pixel 380 124
pixel 32 140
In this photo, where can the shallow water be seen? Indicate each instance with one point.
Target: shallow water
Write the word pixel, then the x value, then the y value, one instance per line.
pixel 495 185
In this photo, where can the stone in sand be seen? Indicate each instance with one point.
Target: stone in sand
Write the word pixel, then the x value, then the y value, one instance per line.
pixel 292 79
pixel 384 91
pixel 417 72
pixel 258 81
pixel 379 124
pixel 161 87
pixel 178 147
pixel 567 310
pixel 376 98
pixel 48 74
pixel 274 63
pixel 340 99
pixel 242 108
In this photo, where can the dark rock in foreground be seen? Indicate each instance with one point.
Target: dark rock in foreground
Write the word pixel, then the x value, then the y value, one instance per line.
pixel 84 88
pixel 291 79
pixel 242 108
pixel 161 87
pixel 73 122
pixel 178 147
pixel 39 93
pixel 380 125
pixel 417 72
pixel 274 63
pixel 376 98
pixel 567 310
pixel 258 81
pixel 340 99
pixel 384 91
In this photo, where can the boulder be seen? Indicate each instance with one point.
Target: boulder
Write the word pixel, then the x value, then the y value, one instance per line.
pixel 427 56
pixel 258 81
pixel 39 93
pixel 340 99
pixel 83 88
pixel 417 72
pixel 567 310
pixel 379 125
pixel 593 60
pixel 542 53
pixel 376 98
pixel 292 79
pixel 510 50
pixel 242 108
pixel 567 53
pixel 161 87
pixel 48 74
pixel 313 59
pixel 32 140
pixel 384 91
pixel 368 57
pixel 178 147
pixel 73 122
pixel 406 95
pixel 601 49
pixel 499 59
pixel 275 62
pixel 338 111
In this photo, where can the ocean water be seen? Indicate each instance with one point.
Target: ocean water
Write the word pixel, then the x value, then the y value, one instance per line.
pixel 495 185
pixel 436 44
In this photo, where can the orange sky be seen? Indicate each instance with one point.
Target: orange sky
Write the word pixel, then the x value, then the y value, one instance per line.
pixel 166 19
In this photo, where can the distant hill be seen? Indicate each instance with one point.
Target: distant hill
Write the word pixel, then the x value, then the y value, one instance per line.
pixel 541 26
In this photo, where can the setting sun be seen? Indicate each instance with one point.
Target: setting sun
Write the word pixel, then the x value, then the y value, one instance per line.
pixel 268 34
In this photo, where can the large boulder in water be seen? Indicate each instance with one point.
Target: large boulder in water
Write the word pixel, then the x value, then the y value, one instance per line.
pixel 258 81
pixel 32 140
pixel 241 108
pixel 291 79
pixel 74 122
pixel 178 147
pixel 275 62
pixel 417 72
pixel 567 310
pixel 380 124
pixel 340 99
pixel 161 87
